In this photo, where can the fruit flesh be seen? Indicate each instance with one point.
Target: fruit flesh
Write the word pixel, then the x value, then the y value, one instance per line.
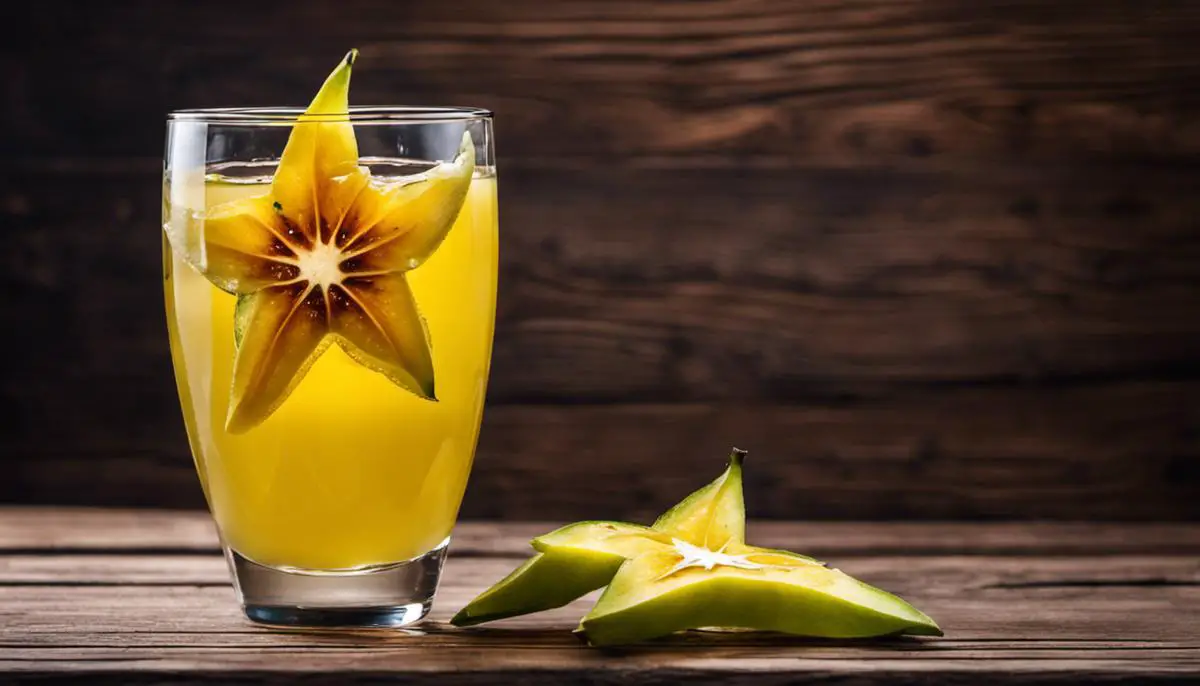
pixel 351 470
pixel 713 515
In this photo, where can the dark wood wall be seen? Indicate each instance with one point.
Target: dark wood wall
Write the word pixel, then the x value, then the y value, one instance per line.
pixel 924 258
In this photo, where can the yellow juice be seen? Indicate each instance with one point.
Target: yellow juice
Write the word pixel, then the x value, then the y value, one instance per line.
pixel 351 470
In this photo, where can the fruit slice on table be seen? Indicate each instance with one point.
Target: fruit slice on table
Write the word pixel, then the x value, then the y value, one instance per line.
pixel 580 558
pixel 692 570
pixel 322 258
pixel 661 592
pixel 571 562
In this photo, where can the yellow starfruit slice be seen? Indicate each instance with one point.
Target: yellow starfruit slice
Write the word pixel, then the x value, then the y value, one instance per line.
pixel 661 592
pixel 322 258
pixel 579 558
pixel 692 569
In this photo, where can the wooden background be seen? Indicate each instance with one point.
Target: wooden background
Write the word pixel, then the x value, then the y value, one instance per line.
pixel 924 258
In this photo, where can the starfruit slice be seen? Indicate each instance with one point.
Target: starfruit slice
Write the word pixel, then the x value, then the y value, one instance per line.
pixel 692 569
pixel 322 258
pixel 579 558
pixel 661 592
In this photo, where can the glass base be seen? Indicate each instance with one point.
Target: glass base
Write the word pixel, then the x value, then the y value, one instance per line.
pixel 378 597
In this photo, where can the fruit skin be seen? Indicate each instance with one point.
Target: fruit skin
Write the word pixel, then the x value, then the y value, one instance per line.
pixel 572 562
pixel 544 582
pixel 618 538
pixel 808 600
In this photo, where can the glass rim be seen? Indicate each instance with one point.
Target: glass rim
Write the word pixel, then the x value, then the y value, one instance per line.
pixel 394 114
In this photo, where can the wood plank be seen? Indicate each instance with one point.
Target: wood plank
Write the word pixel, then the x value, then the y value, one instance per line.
pixel 1054 308
pixel 81 529
pixel 1010 617
pixel 1138 628
pixel 1037 454
pixel 969 602
pixel 1117 453
pixel 960 576
pixel 198 667
pixel 844 284
pixel 572 665
pixel 793 287
pixel 830 83
pixel 845 142
pixel 101 530
pixel 703 645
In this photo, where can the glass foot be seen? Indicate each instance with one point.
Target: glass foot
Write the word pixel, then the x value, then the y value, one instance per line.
pixel 378 597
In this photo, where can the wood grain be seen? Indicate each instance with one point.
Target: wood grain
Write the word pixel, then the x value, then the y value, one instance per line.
pixel 131 616
pixel 933 83
pixel 1125 452
pixel 937 259
pixel 773 285
pixel 1043 614
pixel 53 530
pixel 787 286
pixel 836 307
pixel 958 454
pixel 932 576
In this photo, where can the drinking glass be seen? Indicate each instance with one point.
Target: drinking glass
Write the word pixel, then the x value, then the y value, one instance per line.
pixel 332 397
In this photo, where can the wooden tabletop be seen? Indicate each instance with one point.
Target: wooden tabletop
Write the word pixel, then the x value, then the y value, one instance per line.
pixel 143 596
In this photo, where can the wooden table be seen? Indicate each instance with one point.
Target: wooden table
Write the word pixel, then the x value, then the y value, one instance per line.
pixel 142 596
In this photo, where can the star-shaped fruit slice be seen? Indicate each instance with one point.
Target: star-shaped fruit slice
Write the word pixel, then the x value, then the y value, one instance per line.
pixel 692 570
pixel 582 557
pixel 322 258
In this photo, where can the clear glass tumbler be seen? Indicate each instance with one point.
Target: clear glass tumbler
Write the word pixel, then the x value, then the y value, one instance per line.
pixel 331 333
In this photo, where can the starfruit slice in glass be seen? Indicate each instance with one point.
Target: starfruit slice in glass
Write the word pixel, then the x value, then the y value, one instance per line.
pixel 322 258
